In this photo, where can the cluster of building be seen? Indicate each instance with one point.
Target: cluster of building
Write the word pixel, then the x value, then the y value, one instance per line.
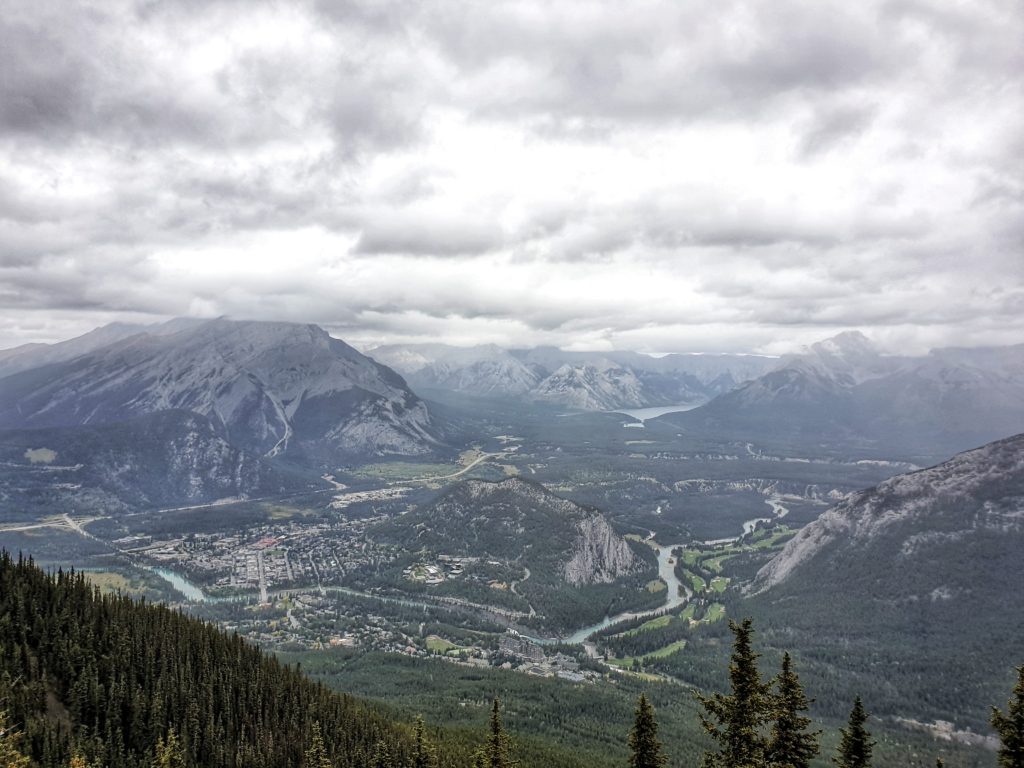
pixel 279 555
pixel 343 500
pixel 446 567
pixel 531 659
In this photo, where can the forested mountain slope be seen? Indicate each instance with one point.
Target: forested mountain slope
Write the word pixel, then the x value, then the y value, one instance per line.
pixel 911 589
pixel 107 677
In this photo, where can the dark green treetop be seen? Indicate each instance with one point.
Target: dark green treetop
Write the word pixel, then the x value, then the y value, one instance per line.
pixel 855 742
pixel 791 744
pixel 737 721
pixel 1010 727
pixel 644 746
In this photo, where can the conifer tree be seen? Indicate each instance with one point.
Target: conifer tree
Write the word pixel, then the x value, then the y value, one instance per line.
pixel 495 753
pixel 382 756
pixel 1010 727
pixel 855 743
pixel 316 754
pixel 643 739
pixel 169 752
pixel 737 721
pixel 791 745
pixel 423 755
pixel 10 746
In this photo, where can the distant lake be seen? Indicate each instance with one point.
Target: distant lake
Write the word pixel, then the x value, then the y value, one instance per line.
pixel 652 413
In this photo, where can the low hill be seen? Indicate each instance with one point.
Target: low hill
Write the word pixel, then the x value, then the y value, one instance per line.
pixel 567 561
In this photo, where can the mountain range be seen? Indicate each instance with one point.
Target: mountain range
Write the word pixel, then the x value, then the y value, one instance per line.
pixel 843 391
pixel 238 397
pixel 269 388
pixel 598 381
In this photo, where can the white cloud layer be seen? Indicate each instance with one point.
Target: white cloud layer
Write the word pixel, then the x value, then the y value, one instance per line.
pixel 661 176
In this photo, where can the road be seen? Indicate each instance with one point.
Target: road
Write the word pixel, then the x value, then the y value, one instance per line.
pixel 514 584
pixel 482 457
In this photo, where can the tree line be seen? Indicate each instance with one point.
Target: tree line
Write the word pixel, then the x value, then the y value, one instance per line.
pixel 763 724
pixel 100 681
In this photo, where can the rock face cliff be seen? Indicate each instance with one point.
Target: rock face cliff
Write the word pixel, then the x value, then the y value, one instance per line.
pixel 599 554
pixel 593 388
pixel 908 588
pixel 480 370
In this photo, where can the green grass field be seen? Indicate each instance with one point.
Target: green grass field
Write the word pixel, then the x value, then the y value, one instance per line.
pixel 715 612
pixel 437 644
pixel 668 650
pixel 714 564
pixel 660 621
pixel 401 470
pixel 698 584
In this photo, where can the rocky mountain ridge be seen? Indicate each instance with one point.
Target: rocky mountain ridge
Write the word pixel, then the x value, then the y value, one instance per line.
pixel 978 490
pixel 583 380
pixel 272 388
pixel 843 391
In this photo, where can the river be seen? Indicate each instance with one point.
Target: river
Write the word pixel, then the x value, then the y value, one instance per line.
pixel 181 585
pixel 666 571
pixel 673 599
pixel 677 593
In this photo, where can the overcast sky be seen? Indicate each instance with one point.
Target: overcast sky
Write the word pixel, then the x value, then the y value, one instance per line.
pixel 660 176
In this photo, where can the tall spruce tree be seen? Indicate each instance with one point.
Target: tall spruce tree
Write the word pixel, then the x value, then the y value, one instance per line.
pixel 737 721
pixel 791 745
pixel 855 740
pixel 169 753
pixel 382 756
pixel 643 739
pixel 495 753
pixel 316 754
pixel 423 754
pixel 1010 727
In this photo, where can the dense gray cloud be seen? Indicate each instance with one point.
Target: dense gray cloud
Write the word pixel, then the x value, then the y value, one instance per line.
pixel 719 174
